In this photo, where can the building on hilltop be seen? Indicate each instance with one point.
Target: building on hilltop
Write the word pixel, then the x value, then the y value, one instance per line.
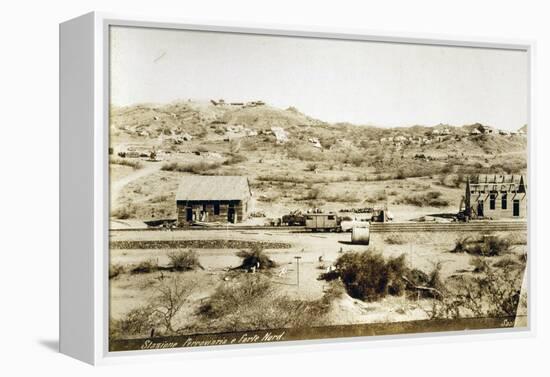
pixel 213 199
pixel 496 196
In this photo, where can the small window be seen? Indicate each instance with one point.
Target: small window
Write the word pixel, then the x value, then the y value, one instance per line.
pixel 504 201
pixel 515 208
pixel 331 217
pixel 492 201
pixel 216 208
pixel 309 217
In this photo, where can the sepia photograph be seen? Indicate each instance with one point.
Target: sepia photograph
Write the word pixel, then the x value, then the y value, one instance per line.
pixel 269 188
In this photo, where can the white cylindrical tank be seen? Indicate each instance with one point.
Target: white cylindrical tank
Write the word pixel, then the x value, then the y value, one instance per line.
pixel 360 235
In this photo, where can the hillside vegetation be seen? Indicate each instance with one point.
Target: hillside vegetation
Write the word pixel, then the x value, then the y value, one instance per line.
pixel 295 161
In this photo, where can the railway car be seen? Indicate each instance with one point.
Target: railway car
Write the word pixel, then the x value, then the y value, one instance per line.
pixel 322 222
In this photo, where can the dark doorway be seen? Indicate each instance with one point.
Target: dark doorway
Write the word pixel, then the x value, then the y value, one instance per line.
pixel 231 214
pixel 189 214
pixel 480 208
pixel 516 208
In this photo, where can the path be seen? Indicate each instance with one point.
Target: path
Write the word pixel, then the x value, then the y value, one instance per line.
pixel 117 186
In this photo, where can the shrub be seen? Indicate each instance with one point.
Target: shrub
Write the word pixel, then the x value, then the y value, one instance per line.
pixel 136 322
pixel 157 315
pixel 160 198
pixel 146 266
pixel 435 281
pixel 346 197
pixel 488 246
pixel 192 167
pixel 479 264
pixel 303 153
pixel 418 277
pixel 394 240
pixel 184 260
pixel 368 276
pixel 311 167
pixel 228 297
pixel 460 245
pixel 269 198
pixel 124 212
pixel 291 179
pixel 355 159
pixel 134 164
pixel 311 194
pixel 451 180
pixel 172 294
pixel 493 294
pixel 255 257
pixel 378 196
pixel 430 198
pixel 509 262
pixel 250 302
pixel 412 170
pixel 496 246
pixel 115 270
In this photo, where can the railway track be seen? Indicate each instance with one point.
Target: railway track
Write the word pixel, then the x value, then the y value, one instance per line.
pixel 193 228
pixel 480 226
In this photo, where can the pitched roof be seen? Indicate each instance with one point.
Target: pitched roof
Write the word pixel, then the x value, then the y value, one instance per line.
pixel 496 182
pixel 496 178
pixel 203 187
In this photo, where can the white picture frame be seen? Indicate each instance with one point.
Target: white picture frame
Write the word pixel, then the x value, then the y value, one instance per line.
pixel 84 186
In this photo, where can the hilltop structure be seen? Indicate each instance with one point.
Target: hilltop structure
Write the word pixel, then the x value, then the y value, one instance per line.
pixel 496 196
pixel 213 199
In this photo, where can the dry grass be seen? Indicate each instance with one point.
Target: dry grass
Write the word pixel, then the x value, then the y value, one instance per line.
pixel 235 159
pixel 115 270
pixel 492 293
pixel 487 246
pixel 184 260
pixel 134 164
pixel 251 302
pixel 124 212
pixel 191 167
pixel 145 267
pixel 427 199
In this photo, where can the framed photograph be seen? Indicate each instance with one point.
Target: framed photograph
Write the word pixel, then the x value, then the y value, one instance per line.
pixel 230 187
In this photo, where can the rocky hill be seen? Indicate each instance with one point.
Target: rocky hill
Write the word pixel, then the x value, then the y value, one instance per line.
pixel 180 122
pixel 294 161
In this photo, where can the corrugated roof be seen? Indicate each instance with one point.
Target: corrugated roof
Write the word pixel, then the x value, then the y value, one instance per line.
pixel 205 187
pixel 496 178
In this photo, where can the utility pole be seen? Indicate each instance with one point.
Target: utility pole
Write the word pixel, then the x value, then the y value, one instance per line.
pixel 298 270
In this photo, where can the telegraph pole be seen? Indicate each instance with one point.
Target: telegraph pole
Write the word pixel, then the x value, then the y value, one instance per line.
pixel 298 270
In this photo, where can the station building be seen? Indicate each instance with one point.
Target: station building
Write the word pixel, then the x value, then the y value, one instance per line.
pixel 213 199
pixel 495 196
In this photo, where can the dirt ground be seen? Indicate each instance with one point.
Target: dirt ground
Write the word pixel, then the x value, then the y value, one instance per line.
pixel 352 168
pixel 131 290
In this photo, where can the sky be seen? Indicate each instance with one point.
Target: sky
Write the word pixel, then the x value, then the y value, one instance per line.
pixel 374 83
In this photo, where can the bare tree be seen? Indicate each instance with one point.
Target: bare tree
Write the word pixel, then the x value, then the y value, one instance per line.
pixel 172 294
pixel 495 294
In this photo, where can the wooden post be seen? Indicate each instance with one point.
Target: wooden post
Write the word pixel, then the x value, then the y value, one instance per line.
pixel 298 270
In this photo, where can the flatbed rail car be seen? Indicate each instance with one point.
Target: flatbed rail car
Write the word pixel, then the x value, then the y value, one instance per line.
pixel 322 222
